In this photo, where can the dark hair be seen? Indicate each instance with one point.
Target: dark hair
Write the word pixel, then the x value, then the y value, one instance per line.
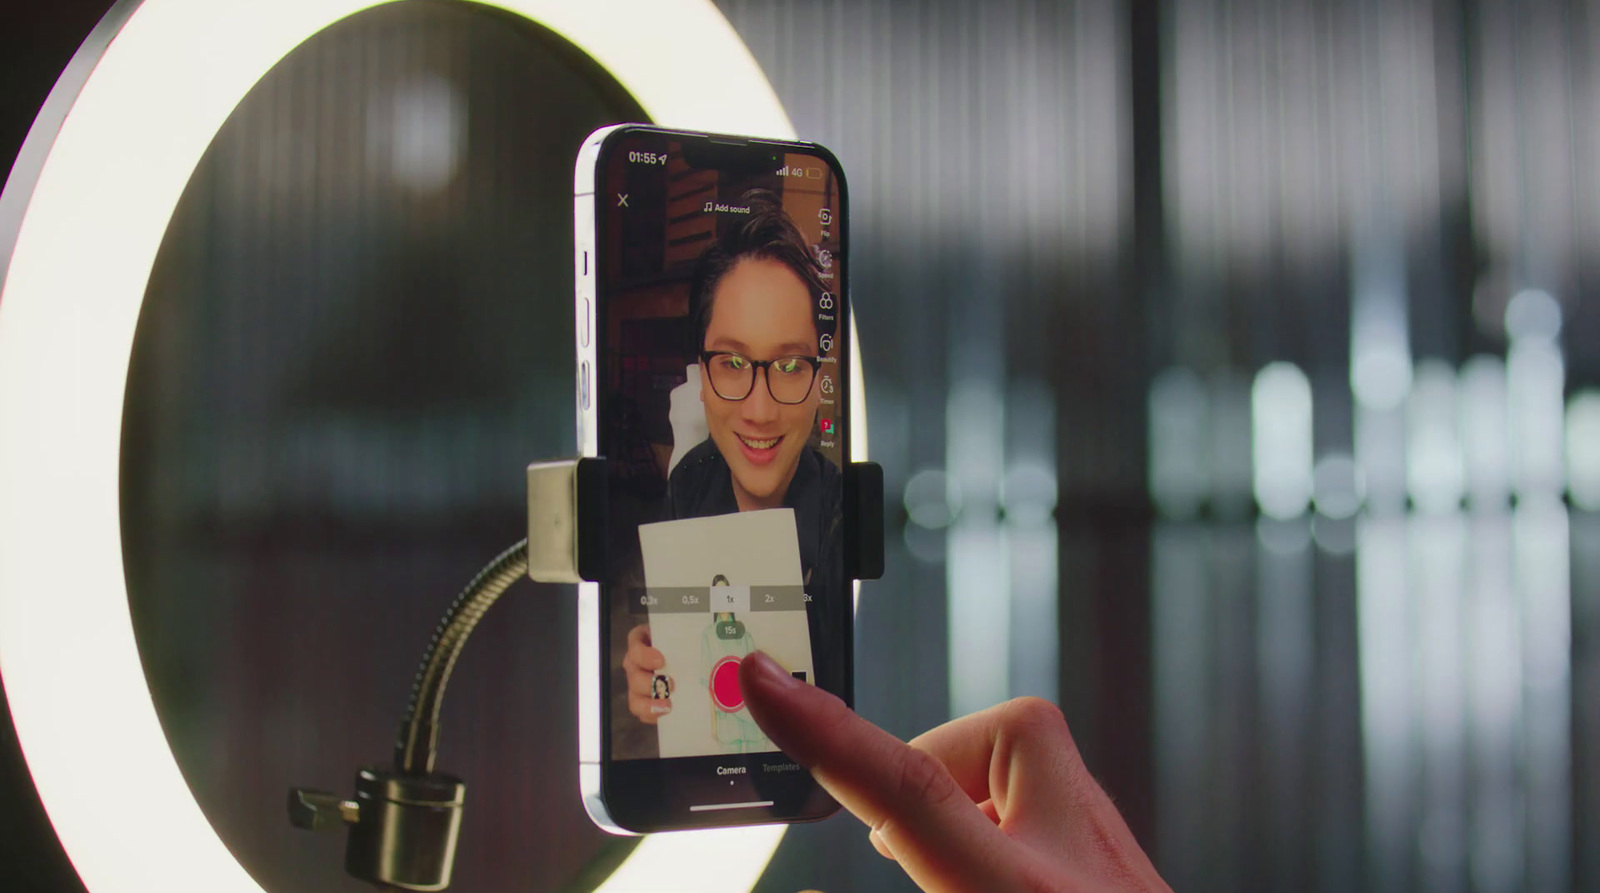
pixel 766 234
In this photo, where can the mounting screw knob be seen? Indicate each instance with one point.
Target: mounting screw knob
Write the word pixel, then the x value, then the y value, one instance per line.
pixel 321 810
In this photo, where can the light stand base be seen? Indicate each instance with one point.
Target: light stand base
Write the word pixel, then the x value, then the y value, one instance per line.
pixel 403 829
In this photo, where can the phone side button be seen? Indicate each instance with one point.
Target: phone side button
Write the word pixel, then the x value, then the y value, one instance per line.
pixel 583 325
pixel 583 384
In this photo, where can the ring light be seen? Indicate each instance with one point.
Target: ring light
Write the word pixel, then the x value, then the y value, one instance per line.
pixel 87 204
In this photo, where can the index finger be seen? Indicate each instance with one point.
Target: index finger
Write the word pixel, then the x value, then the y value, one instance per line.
pixel 938 835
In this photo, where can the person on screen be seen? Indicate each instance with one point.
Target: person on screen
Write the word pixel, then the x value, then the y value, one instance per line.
pixel 755 303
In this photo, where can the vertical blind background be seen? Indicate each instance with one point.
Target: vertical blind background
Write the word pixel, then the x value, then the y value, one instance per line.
pixel 1232 364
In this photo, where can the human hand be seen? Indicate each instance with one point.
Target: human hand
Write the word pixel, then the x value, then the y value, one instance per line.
pixel 996 801
pixel 641 664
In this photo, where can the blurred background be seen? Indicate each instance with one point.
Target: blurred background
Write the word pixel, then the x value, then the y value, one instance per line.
pixel 1234 366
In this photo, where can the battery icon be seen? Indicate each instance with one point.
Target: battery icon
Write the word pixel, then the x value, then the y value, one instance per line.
pixel 813 173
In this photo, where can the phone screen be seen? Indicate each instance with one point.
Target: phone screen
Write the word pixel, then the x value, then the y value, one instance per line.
pixel 721 406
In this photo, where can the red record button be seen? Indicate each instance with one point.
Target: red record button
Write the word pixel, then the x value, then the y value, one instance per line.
pixel 725 685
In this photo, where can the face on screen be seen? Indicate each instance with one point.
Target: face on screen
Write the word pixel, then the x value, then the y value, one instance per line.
pixel 761 311
pixel 722 415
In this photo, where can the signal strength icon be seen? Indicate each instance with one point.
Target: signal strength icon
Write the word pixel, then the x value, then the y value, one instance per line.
pixel 783 171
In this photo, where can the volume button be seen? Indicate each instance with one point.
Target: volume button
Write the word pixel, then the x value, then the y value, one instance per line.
pixel 583 384
pixel 583 325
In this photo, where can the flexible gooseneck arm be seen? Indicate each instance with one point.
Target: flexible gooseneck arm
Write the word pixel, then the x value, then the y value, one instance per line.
pixel 419 730
pixel 404 821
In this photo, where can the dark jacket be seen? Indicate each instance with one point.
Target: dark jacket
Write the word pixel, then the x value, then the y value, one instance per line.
pixel 701 485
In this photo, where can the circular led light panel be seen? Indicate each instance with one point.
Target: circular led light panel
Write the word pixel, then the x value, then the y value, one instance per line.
pixel 82 216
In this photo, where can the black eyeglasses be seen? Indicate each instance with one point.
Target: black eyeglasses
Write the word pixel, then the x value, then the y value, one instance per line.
pixel 733 375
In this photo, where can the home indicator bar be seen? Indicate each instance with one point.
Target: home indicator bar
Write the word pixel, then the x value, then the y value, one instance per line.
pixel 705 807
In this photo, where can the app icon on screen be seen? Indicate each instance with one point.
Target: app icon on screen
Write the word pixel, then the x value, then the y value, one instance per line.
pixel 827 427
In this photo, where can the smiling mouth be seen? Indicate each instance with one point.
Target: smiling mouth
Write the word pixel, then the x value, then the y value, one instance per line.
pixel 755 444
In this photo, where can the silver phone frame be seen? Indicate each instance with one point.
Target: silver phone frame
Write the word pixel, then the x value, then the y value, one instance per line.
pixel 588 430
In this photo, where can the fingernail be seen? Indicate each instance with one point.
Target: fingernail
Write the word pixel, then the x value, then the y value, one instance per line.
pixel 766 671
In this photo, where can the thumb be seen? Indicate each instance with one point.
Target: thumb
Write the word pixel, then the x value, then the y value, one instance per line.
pixel 907 796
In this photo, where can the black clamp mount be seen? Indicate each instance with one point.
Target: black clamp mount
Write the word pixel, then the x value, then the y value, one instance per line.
pixel 405 820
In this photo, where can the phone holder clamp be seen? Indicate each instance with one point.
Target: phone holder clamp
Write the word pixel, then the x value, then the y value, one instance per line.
pixel 567 522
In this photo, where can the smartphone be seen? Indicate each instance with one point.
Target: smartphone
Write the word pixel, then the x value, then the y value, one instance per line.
pixel 712 378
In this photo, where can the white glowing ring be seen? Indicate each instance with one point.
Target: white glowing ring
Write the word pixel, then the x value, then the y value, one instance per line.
pixel 88 203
